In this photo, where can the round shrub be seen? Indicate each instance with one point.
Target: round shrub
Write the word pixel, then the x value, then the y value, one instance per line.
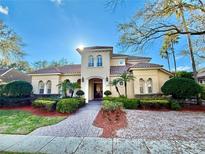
pixel 181 88
pixel 80 93
pixel 107 93
pixel 68 105
pixel 112 105
pixel 18 89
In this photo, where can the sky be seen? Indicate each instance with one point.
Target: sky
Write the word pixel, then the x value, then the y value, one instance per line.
pixel 53 29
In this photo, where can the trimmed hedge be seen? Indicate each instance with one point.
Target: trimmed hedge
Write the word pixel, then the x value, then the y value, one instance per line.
pixel 181 88
pixel 48 105
pixel 127 103
pixel 15 101
pixel 69 105
pixel 203 92
pixel 154 104
pixel 17 89
pixel 111 105
pixel 131 104
pixel 147 103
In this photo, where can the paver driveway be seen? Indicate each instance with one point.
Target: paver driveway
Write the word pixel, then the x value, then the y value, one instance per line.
pixel 78 124
pixel 172 125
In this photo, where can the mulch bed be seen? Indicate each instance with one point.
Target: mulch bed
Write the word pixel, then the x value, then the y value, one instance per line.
pixel 110 122
pixel 35 111
pixel 193 108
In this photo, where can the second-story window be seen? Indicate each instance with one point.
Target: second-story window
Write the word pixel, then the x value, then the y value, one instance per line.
pixel 90 61
pixel 99 60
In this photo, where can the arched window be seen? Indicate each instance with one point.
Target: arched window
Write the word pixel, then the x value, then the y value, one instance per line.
pixel 90 61
pixel 149 85
pixel 142 85
pixel 48 87
pixel 99 60
pixel 41 87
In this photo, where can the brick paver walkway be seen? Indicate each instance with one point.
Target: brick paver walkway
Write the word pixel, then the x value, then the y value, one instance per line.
pixel 78 124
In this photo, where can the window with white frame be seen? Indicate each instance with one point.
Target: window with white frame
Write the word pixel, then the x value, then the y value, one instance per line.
pixel 41 87
pixel 99 60
pixel 121 62
pixel 48 86
pixel 91 61
pixel 149 85
pixel 142 85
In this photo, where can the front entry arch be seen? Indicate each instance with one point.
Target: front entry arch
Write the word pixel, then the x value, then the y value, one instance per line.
pixel 95 89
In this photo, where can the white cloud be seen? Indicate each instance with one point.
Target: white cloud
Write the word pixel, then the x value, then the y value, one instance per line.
pixel 4 10
pixel 183 68
pixel 57 2
pixel 179 57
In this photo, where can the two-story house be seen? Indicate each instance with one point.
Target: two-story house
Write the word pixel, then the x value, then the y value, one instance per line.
pixel 99 66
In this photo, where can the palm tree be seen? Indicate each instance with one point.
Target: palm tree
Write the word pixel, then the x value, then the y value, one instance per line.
pixel 72 86
pixel 178 8
pixel 125 78
pixel 64 87
pixel 168 44
pixel 165 54
pixel 115 83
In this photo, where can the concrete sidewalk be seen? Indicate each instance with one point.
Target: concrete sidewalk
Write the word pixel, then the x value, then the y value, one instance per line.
pixel 94 145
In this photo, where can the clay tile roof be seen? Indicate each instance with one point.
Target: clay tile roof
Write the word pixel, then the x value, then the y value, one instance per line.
pixel 64 69
pixel 98 47
pixel 3 70
pixel 145 65
pixel 130 57
pixel 201 74
pixel 137 57
pixel 70 69
pixel 119 69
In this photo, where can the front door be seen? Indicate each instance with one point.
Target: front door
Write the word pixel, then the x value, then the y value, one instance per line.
pixel 98 91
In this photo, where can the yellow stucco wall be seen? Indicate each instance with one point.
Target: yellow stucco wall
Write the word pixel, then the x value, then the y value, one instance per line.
pixel 45 78
pixel 130 88
pixel 116 62
pixel 158 78
pixel 157 75
pixel 101 72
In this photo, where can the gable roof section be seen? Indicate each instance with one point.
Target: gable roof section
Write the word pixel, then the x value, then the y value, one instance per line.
pixel 201 75
pixel 99 47
pixel 130 57
pixel 76 68
pixel 119 69
pixel 145 65
pixel 3 71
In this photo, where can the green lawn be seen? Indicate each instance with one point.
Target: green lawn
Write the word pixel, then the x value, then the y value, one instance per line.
pixel 22 122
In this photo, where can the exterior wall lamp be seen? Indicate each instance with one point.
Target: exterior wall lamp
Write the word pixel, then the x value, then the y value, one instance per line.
pixel 107 79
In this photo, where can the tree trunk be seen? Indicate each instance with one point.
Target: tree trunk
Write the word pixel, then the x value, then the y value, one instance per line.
pixel 72 92
pixel 168 61
pixel 117 90
pixel 174 58
pixel 125 89
pixel 190 45
pixel 65 92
